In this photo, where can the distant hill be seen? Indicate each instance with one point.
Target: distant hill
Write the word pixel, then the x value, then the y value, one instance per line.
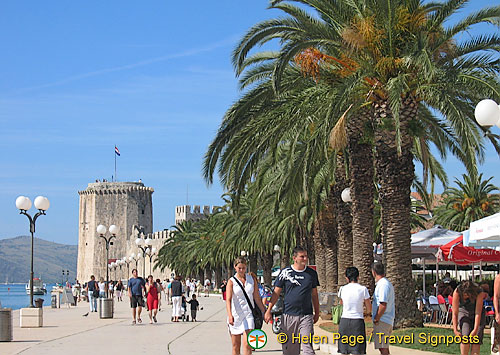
pixel 49 260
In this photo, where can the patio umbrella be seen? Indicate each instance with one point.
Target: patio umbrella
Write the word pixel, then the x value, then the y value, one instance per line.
pixel 458 253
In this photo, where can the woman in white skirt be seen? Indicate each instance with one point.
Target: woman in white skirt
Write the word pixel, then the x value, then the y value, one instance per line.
pixel 239 313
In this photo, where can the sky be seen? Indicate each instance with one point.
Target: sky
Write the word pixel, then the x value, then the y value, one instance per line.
pixel 153 77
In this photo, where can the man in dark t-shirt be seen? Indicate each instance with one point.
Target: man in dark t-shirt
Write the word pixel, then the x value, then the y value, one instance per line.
pixel 176 289
pixel 90 288
pixel 299 284
pixel 136 286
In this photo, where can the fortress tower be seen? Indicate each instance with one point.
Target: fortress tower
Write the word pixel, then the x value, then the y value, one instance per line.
pixel 184 213
pixel 128 205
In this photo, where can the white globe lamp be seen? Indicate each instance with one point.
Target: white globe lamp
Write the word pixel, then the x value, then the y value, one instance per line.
pixel 113 229
pixel 23 203
pixel 101 229
pixel 42 203
pixel 346 195
pixel 487 113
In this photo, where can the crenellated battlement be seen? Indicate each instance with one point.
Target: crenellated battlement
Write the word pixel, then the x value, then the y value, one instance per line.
pixel 110 188
pixel 192 213
pixel 164 234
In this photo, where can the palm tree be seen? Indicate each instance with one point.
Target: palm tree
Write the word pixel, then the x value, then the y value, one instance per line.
pixel 396 56
pixel 472 199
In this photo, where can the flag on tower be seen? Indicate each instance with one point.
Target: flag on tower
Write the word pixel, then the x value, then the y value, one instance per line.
pixel 117 152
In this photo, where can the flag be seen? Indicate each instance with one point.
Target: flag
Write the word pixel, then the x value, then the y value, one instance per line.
pixel 117 152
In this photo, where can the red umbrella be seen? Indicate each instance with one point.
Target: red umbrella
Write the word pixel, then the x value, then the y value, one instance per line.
pixel 456 252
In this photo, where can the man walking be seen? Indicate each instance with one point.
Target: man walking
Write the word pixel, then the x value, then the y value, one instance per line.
pixel 176 289
pixel 383 309
pixel 92 293
pixel 136 287
pixel 299 284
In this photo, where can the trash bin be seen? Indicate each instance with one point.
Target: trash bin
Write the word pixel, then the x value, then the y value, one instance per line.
pixel 5 324
pixel 105 308
pixel 39 302
pixel 53 301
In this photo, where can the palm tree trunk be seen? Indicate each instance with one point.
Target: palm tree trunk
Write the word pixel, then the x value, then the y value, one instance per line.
pixel 252 262
pixel 344 221
pixel 267 266
pixel 285 258
pixel 395 173
pixel 218 276
pixel 329 236
pixel 362 193
pixel 319 251
pixel 229 270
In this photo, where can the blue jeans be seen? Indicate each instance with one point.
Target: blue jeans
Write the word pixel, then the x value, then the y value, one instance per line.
pixel 92 302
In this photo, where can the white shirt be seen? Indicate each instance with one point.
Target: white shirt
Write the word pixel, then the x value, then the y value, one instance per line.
pixel 353 296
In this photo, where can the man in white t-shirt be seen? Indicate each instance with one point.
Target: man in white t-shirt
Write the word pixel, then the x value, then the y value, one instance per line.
pixel 352 324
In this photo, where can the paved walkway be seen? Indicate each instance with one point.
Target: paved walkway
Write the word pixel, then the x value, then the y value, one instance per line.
pixel 67 330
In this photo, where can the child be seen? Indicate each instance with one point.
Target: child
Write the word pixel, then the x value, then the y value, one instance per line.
pixel 194 307
pixel 184 308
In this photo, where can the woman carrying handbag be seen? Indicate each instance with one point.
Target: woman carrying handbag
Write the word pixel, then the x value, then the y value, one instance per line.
pixel 243 304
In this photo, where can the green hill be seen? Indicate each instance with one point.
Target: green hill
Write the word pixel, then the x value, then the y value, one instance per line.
pixel 49 260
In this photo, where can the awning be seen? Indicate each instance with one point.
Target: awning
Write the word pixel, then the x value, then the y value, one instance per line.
pixel 458 253
pixel 484 232
pixel 426 243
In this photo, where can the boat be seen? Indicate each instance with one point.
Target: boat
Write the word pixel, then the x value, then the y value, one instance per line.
pixel 39 288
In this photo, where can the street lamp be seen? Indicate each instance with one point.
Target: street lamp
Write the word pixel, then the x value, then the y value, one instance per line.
pixel 143 244
pixel 487 113
pixel 127 260
pixel 243 253
pixel 150 252
pixel 346 195
pixel 136 258
pixel 102 230
pixel 42 204
pixel 120 263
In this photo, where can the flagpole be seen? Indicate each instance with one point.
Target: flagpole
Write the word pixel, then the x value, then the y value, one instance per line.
pixel 114 153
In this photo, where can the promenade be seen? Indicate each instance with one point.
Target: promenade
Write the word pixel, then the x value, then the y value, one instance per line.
pixel 69 331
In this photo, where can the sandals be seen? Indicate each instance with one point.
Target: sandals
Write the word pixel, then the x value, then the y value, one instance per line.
pixel 133 322
pixel 139 320
pixel 154 318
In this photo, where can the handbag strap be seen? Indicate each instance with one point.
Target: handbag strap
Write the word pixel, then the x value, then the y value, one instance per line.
pixel 244 292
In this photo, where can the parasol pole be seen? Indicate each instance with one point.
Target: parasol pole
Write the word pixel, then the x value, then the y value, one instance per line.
pixel 423 278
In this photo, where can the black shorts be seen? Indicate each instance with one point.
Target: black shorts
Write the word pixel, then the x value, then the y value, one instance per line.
pixel 136 301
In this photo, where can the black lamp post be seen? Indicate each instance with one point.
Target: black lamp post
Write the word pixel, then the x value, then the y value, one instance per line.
pixel 24 204
pixel 151 252
pixel 128 261
pixel 144 245
pixel 112 230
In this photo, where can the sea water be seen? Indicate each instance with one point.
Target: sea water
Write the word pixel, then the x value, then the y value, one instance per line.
pixel 14 296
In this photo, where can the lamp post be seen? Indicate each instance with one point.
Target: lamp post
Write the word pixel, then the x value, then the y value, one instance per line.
pixel 120 263
pixel 102 230
pixel 136 258
pixel 143 244
pixel 150 252
pixel 487 113
pixel 42 204
pixel 110 267
pixel 127 260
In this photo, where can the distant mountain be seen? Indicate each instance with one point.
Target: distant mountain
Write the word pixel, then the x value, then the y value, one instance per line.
pixel 49 260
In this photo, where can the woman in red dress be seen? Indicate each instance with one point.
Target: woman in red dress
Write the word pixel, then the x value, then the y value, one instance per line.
pixel 152 291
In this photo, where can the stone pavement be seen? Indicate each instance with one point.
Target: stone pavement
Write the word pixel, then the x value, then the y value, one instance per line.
pixel 68 331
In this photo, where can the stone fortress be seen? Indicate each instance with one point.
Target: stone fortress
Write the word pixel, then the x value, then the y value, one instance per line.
pixel 129 206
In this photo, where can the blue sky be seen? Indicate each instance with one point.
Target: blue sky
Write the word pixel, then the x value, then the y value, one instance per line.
pixel 154 78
